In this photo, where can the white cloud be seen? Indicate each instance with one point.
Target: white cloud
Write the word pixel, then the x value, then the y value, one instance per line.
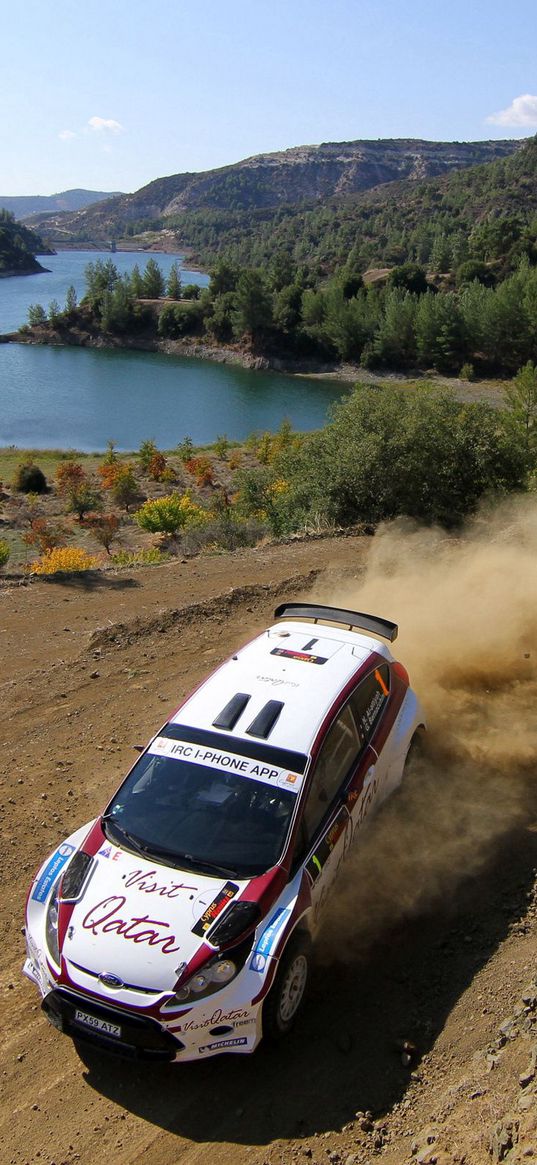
pixel 66 135
pixel 105 125
pixel 521 112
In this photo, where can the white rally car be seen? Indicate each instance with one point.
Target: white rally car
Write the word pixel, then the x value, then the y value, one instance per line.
pixel 178 925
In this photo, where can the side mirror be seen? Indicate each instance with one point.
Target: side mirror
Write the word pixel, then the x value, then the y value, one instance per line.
pixel 138 747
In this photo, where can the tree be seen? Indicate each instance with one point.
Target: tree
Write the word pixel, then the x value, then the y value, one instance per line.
pixel 521 401
pixel 253 309
pixel 224 278
pixel 100 276
pixel 55 312
pixel 117 307
pixel 37 315
pixel 146 453
pixel 191 291
pixel 70 300
pixel 125 491
pixel 174 282
pixel 153 282
pixel 69 475
pixel 104 528
pixel 411 277
pixel 83 498
pixel 136 282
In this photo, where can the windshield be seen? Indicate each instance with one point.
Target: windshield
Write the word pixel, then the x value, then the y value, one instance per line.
pixel 197 817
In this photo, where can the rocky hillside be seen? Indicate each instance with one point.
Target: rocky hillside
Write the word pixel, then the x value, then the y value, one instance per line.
pixel 305 174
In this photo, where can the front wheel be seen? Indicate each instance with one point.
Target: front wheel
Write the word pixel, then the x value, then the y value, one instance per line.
pixel 288 992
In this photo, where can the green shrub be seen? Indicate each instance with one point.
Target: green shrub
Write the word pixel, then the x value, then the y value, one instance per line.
pixel 169 514
pixel 4 552
pixel 30 479
pixel 152 556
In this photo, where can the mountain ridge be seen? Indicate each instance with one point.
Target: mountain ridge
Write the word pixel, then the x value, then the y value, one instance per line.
pixel 265 181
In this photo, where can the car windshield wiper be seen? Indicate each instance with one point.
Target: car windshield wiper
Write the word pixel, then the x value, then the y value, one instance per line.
pixel 135 843
pixel 204 864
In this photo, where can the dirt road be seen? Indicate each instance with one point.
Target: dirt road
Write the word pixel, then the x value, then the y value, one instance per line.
pixel 88 671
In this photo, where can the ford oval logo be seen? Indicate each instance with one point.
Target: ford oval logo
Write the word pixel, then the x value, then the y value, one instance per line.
pixel 109 980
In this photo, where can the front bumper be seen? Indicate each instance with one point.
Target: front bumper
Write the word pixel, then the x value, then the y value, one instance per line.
pixel 141 1038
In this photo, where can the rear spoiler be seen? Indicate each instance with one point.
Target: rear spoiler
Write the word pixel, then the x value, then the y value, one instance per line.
pixel 371 623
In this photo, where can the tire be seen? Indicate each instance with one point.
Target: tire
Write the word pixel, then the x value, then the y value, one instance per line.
pixel 415 751
pixel 288 992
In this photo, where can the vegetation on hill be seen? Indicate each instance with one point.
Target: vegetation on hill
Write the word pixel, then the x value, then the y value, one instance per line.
pixel 473 325
pixel 486 212
pixel 18 247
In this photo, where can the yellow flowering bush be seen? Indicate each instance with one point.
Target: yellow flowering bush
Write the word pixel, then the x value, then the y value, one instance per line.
pixel 63 559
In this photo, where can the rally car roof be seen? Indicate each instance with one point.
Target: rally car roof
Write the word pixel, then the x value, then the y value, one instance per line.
pixel 279 688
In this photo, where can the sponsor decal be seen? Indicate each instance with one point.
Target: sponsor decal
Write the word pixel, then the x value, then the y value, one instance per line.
pixel 268 940
pixel 228 762
pixel 237 1016
pixel 224 1044
pixel 322 852
pixel 300 655
pixel 146 882
pixel 106 852
pixel 277 682
pixel 51 871
pixel 104 918
pixel 215 908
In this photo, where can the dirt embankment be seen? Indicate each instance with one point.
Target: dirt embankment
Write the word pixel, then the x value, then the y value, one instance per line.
pixel 419 1039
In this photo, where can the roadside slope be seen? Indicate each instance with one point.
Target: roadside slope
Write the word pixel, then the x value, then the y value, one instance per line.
pixel 88 672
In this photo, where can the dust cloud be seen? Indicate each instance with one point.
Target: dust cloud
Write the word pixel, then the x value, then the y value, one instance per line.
pixel 467 613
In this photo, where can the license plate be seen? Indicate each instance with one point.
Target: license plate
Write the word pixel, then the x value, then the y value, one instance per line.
pixel 100 1025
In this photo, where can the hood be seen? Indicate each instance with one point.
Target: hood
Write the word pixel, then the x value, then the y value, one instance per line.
pixel 141 921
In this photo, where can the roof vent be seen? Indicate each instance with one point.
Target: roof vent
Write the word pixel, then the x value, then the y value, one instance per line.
pixel 265 720
pixel 229 715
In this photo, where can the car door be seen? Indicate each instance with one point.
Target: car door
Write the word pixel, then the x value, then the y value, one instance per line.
pixel 326 819
pixel 369 702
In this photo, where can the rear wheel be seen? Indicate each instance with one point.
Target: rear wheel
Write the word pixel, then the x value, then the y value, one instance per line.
pixel 288 992
pixel 415 751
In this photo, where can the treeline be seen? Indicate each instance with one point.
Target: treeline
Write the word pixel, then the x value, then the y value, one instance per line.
pixel 18 246
pixel 404 325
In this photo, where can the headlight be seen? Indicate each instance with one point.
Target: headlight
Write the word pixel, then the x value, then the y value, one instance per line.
pixel 212 978
pixel 51 930
pixel 76 875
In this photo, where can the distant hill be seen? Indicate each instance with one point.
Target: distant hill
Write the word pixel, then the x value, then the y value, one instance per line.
pixel 24 206
pixel 267 182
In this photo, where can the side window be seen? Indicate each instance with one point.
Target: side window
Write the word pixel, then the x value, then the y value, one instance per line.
pixel 340 749
pixel 368 701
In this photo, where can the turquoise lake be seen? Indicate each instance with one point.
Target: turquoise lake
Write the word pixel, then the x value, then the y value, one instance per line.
pixel 80 398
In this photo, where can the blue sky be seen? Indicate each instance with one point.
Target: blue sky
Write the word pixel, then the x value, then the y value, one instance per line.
pixel 110 95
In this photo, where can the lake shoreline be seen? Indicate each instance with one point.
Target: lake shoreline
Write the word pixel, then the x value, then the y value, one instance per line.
pixel 243 357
